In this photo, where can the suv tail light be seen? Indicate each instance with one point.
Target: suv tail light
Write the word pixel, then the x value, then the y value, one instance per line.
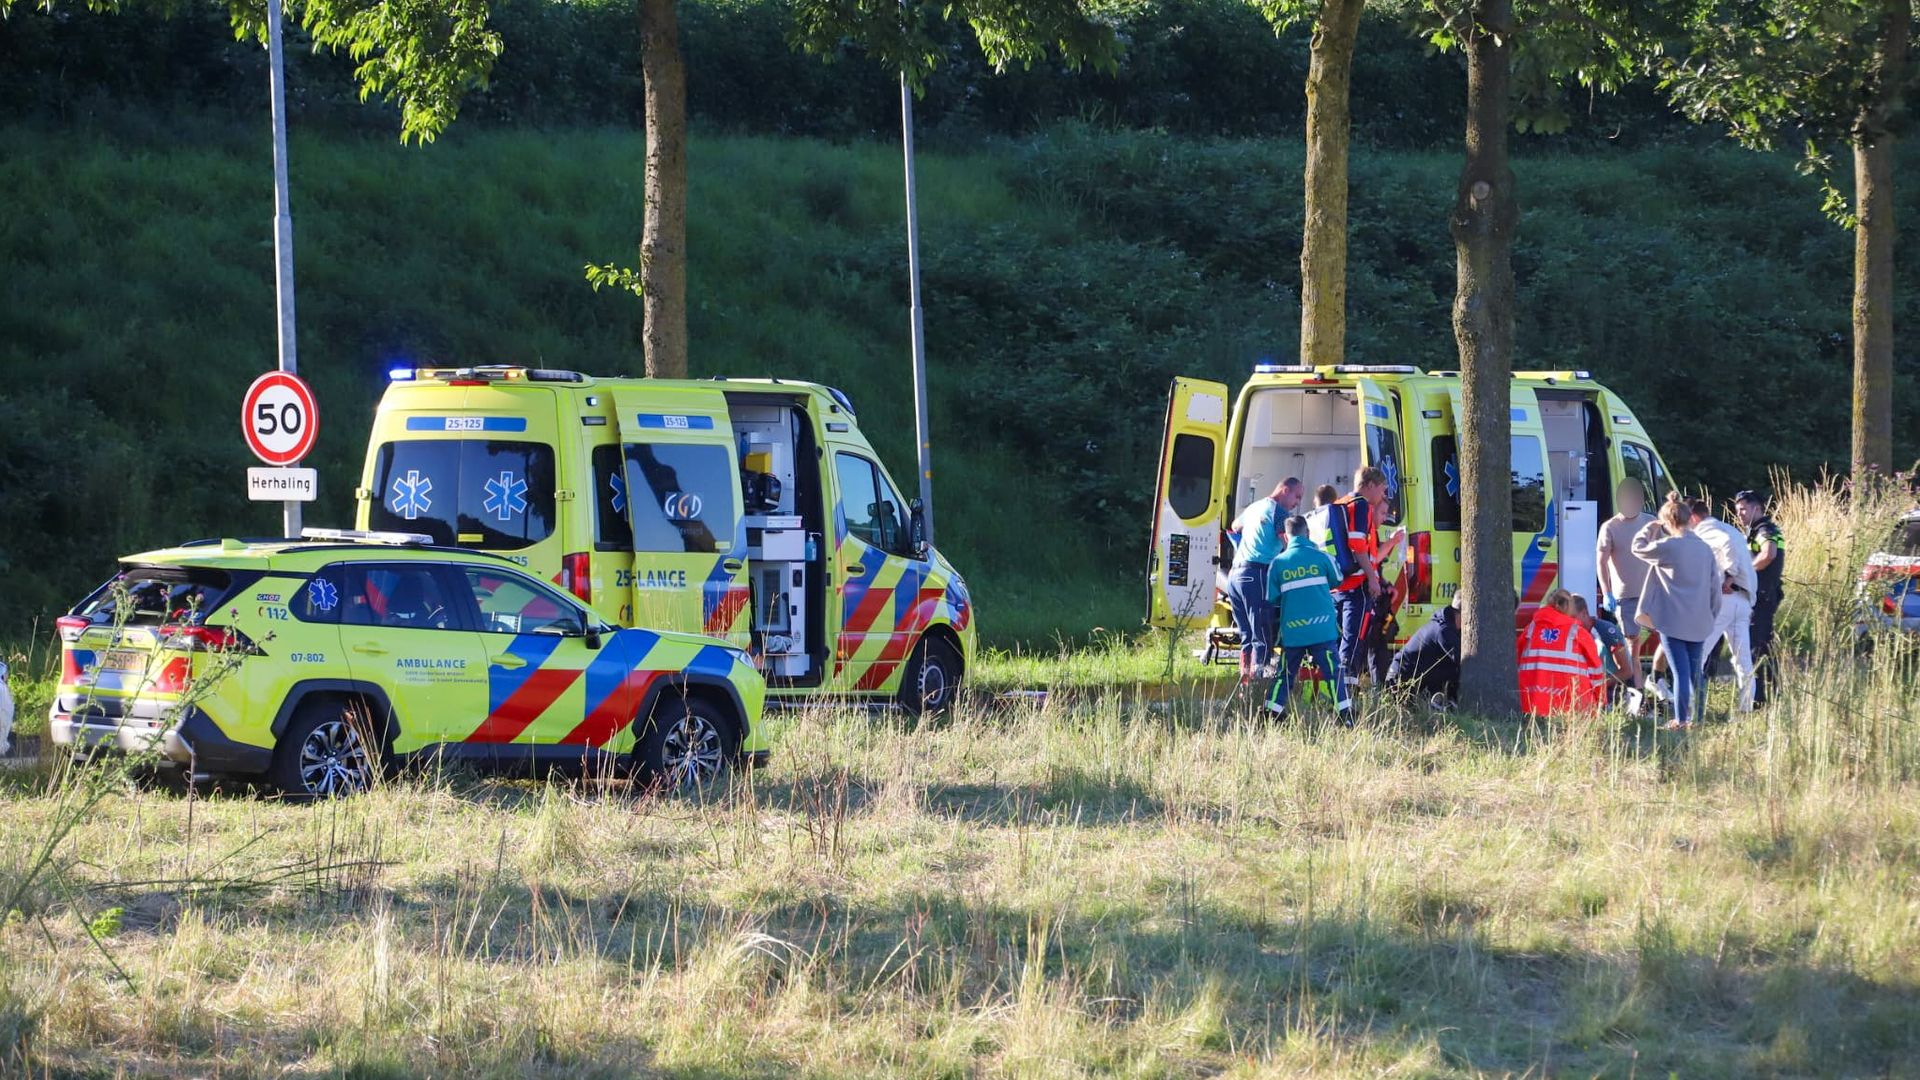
pixel 1420 561
pixel 576 575
pixel 70 627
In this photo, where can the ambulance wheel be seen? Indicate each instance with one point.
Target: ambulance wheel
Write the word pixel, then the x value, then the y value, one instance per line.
pixel 327 752
pixel 931 683
pixel 686 744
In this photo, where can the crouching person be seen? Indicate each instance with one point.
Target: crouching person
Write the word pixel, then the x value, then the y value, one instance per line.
pixel 1559 662
pixel 1300 585
pixel 1429 663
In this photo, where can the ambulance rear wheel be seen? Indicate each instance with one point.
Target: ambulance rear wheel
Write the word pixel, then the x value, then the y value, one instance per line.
pixel 327 752
pixel 931 683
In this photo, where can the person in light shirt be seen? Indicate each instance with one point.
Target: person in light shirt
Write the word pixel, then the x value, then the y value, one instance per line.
pixel 1256 541
pixel 1738 586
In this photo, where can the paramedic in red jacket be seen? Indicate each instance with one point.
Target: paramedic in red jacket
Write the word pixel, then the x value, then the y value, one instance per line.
pixel 1559 661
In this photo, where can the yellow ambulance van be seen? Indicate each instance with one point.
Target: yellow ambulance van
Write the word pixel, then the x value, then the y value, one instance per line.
pixel 751 510
pixel 1574 440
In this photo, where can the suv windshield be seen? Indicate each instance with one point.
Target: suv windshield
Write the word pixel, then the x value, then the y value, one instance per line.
pixel 486 493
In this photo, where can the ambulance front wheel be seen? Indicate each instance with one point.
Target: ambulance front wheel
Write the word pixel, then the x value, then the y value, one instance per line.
pixel 932 680
pixel 686 745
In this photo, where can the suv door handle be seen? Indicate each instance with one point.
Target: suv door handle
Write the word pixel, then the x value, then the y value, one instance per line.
pixel 509 660
pixel 370 650
pixel 732 566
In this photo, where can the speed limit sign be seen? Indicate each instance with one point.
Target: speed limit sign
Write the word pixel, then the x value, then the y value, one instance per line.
pixel 279 418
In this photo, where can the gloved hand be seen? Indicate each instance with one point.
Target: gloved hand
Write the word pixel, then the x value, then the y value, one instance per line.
pixel 1610 603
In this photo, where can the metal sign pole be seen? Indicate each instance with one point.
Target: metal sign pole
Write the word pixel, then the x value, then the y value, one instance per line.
pixel 282 221
pixel 922 436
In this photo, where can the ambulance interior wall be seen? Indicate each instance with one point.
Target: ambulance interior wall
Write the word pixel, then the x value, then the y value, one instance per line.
pixel 789 591
pixel 1576 448
pixel 1309 433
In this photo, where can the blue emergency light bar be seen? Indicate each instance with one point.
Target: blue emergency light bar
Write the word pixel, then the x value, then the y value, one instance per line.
pixel 400 374
pixel 1282 369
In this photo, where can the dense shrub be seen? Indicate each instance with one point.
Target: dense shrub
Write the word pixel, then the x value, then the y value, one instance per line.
pixel 1210 67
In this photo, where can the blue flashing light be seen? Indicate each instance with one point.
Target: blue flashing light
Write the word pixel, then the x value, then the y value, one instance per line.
pixel 400 374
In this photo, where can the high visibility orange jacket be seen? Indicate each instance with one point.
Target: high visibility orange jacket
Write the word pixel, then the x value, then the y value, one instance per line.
pixel 1354 543
pixel 1559 666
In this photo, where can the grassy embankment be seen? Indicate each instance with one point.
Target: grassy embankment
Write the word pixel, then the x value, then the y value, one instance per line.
pixel 1096 889
pixel 1067 277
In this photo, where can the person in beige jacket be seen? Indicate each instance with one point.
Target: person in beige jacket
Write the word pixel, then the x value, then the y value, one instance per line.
pixel 1680 602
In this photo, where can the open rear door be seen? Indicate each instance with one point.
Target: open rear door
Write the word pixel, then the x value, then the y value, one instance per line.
pixel 1187 506
pixel 1535 527
pixel 682 494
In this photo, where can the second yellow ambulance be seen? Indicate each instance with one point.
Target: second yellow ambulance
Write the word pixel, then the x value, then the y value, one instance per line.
pixel 1574 440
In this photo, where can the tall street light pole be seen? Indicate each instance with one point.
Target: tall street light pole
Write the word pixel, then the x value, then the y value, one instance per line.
pixel 282 222
pixel 922 437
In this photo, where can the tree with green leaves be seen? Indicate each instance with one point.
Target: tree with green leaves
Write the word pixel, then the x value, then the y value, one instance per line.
pixel 899 35
pixel 1836 73
pixel 1519 55
pixel 1335 25
pixel 421 55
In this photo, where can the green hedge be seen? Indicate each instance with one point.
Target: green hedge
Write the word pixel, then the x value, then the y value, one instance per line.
pixel 1067 277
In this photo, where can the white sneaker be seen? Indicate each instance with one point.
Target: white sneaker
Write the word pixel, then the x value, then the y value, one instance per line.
pixel 1660 689
pixel 1279 711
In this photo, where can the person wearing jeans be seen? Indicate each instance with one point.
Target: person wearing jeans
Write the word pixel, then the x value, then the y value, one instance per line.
pixel 1256 540
pixel 1680 602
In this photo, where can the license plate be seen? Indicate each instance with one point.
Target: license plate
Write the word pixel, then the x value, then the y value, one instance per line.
pixel 124 660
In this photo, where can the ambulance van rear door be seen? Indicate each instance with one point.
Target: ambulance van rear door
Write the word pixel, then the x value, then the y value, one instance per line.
pixel 1187 506
pixel 681 495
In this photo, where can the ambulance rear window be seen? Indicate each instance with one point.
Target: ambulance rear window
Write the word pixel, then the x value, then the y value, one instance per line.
pixel 482 493
pixel 150 596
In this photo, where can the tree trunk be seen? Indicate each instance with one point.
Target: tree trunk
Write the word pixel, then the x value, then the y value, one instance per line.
pixel 1484 215
pixel 1873 238
pixel 663 237
pixel 1323 242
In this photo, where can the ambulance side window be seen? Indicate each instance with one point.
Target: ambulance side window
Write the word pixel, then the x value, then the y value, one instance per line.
pixel 318 599
pixel 1529 485
pixel 1190 476
pixel 611 530
pixel 400 597
pixel 1446 484
pixel 681 497
pixel 859 497
pixel 1640 464
pixel 509 604
pixel 1383 452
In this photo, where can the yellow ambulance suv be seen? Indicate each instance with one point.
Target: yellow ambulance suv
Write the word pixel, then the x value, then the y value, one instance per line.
pixel 1574 440
pixel 749 510
pixel 316 662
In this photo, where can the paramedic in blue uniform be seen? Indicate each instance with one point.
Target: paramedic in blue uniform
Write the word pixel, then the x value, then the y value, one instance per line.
pixel 1256 540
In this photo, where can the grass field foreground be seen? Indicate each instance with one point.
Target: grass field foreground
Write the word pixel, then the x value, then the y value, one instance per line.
pixel 1096 884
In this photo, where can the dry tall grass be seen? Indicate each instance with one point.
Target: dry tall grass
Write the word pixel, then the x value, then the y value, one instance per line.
pixel 1092 888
